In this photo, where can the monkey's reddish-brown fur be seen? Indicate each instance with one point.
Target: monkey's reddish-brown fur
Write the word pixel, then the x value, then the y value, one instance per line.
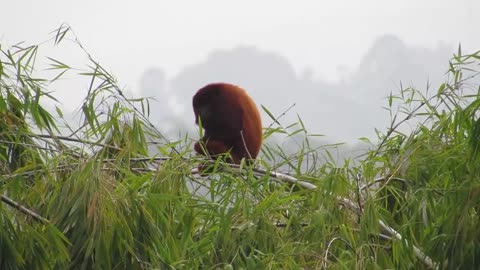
pixel 231 122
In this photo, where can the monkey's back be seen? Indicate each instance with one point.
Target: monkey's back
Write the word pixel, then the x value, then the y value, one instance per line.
pixel 232 117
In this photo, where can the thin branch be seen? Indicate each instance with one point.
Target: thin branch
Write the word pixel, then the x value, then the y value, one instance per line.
pixel 24 210
pixel 325 259
pixel 393 127
pixel 245 144
pixel 29 145
pixel 280 177
pixel 70 139
pixel 359 194
pixel 387 178
pixel 275 120
pixel 393 233
pixel 426 260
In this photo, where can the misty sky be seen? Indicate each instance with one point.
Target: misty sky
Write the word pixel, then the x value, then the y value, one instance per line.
pixel 328 40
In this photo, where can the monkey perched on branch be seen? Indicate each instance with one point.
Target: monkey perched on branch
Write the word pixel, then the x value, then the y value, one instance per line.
pixel 231 122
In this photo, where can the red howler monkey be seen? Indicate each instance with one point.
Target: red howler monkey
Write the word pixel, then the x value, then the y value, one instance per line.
pixel 231 122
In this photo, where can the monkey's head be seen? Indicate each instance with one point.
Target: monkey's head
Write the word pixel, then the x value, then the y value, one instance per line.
pixel 202 103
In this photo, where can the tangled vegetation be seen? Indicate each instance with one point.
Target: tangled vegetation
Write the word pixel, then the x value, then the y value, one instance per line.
pixel 113 193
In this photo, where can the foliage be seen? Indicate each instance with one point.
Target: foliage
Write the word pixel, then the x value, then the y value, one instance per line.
pixel 97 197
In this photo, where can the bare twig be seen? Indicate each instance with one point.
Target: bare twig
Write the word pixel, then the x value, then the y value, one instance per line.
pixel 24 210
pixel 426 260
pixel 280 177
pixel 325 259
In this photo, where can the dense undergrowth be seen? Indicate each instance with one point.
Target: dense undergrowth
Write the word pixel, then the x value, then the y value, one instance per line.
pixel 93 194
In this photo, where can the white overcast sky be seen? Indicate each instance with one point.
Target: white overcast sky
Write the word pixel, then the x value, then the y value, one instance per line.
pixel 129 36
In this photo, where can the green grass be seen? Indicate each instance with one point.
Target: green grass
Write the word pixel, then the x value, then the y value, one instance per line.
pixel 92 195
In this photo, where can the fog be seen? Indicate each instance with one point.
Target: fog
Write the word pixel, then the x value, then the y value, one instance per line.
pixel 343 110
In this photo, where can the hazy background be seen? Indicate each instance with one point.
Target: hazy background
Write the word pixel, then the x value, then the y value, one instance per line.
pixel 336 60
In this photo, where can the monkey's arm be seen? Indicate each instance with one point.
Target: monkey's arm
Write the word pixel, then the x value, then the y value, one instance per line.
pixel 211 148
